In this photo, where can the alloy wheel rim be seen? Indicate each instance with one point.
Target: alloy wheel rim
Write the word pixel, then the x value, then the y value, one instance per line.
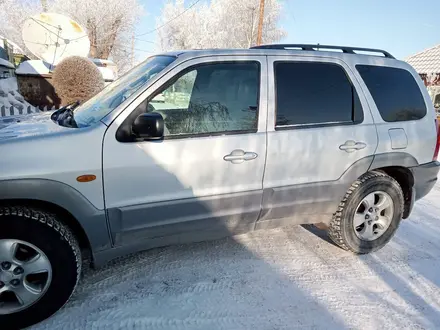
pixel 373 216
pixel 25 275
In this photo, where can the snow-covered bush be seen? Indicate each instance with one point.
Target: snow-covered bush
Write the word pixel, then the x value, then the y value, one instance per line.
pixel 77 78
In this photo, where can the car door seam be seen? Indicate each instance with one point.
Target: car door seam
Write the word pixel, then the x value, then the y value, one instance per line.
pixel 266 140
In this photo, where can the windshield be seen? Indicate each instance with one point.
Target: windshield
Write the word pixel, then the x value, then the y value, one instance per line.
pixel 117 92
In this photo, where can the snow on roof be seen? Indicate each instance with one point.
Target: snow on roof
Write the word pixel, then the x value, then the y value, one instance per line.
pixel 32 67
pixel 15 48
pixel 7 64
pixel 427 61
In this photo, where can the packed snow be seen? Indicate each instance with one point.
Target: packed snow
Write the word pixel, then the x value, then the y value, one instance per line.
pixel 286 278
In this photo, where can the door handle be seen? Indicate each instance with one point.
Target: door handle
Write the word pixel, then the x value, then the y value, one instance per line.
pixel 351 146
pixel 239 156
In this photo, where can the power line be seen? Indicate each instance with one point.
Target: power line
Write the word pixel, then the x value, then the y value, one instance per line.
pixel 290 11
pixel 147 41
pixel 127 49
pixel 86 35
pixel 143 50
pixel 166 23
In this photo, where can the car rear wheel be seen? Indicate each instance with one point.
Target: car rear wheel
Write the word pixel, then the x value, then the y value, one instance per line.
pixel 369 215
pixel 40 264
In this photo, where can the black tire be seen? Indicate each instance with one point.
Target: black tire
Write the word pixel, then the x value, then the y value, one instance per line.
pixel 41 229
pixel 341 229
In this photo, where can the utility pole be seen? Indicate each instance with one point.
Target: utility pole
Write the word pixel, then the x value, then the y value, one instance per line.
pixel 260 23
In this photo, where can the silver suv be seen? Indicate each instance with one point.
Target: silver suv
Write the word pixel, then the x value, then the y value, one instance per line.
pixel 202 144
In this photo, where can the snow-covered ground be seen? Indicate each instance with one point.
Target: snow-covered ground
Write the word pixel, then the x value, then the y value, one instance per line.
pixel 275 279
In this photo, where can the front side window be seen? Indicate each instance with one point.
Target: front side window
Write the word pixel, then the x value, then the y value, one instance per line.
pixel 210 99
pixel 395 92
pixel 310 93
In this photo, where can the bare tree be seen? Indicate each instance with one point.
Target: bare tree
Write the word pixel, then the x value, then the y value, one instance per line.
pixel 44 4
pixel 109 23
pixel 14 13
pixel 222 23
pixel 178 31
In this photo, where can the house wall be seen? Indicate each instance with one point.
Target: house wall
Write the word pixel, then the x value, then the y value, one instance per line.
pixel 430 79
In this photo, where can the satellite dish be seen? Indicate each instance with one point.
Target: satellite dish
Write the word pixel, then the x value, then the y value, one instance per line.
pixel 52 37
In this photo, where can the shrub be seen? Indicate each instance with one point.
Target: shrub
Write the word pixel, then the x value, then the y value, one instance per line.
pixel 77 78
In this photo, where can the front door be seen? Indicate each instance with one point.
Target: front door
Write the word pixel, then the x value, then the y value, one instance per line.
pixel 205 177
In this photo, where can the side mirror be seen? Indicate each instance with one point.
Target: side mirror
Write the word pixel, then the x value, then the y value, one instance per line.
pixel 148 126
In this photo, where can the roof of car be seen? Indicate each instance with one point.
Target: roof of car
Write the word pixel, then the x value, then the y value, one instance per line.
pixel 284 49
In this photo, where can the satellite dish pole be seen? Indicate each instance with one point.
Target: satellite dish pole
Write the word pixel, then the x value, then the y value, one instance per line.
pixel 57 44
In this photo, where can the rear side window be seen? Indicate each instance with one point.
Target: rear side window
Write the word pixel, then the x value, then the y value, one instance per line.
pixel 395 92
pixel 310 93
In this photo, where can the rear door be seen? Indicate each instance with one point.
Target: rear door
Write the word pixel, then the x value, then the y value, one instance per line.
pixel 402 110
pixel 319 129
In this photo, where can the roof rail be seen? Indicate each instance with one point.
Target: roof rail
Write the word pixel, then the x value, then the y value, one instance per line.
pixel 348 50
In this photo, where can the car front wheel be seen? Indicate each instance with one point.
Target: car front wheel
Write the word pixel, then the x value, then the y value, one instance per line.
pixel 40 265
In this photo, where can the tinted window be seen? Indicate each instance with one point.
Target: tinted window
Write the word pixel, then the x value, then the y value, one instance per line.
pixel 210 98
pixel 314 93
pixel 395 92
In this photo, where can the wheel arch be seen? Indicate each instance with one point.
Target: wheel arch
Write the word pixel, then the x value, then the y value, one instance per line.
pixel 87 222
pixel 64 216
pixel 405 179
pixel 396 165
